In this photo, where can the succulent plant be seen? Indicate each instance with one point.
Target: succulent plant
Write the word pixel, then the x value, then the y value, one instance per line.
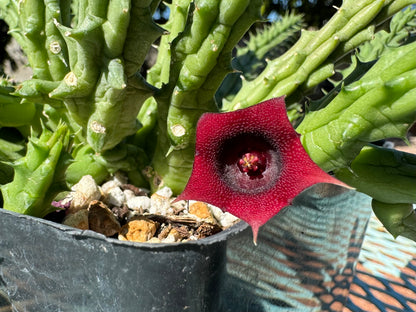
pixel 87 86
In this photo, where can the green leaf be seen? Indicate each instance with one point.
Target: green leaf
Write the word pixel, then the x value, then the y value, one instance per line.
pixel 386 175
pixel 398 219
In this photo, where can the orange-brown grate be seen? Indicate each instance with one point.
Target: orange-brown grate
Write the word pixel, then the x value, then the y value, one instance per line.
pixel 385 277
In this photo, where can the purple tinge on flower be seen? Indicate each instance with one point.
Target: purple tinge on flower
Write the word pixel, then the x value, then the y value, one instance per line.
pixel 251 163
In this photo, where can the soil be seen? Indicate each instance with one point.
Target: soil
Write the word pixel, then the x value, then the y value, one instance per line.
pixel 120 210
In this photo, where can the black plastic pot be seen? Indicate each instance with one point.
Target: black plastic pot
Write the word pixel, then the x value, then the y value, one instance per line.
pixel 304 262
pixel 48 267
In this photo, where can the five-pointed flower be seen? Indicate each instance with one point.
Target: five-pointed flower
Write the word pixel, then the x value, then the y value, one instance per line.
pixel 251 163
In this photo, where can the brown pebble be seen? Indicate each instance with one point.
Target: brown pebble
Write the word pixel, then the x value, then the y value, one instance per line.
pixel 207 229
pixel 101 219
pixel 121 212
pixel 185 232
pixel 165 229
pixel 139 230
pixel 200 210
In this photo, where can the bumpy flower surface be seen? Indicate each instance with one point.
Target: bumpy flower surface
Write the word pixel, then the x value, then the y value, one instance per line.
pixel 251 163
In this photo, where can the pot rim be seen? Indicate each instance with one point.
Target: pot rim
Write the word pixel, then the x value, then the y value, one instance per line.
pixel 89 234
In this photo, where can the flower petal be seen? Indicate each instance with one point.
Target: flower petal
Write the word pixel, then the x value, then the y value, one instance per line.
pixel 251 163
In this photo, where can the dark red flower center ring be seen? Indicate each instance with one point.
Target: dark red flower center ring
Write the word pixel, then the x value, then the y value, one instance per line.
pixel 249 163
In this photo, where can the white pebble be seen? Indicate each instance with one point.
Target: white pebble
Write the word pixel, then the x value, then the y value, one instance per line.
pixel 139 203
pixel 165 192
pixel 169 239
pixel 180 205
pixel 225 219
pixel 128 194
pixel 107 186
pixel 85 191
pixel 115 197
pixel 216 212
pixel 159 204
pixel 132 213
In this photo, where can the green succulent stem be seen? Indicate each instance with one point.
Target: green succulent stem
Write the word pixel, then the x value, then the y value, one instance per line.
pixel 200 59
pixel 38 175
pixel 13 111
pixel 379 105
pixel 251 59
pixel 309 61
pixel 85 54
pixel 389 177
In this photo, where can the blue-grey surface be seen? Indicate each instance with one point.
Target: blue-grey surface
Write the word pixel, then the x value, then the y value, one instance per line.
pixel 305 255
pixel 303 262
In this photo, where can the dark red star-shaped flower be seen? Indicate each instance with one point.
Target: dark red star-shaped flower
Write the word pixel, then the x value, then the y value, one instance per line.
pixel 251 163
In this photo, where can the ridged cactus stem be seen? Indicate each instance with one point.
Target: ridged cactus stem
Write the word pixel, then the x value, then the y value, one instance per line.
pixel 379 105
pixel 86 54
pixel 251 59
pixel 386 174
pixel 54 44
pixel 391 8
pixel 201 58
pixel 13 113
pixel 312 55
pixel 31 17
pixel 141 34
pixel 38 175
pixel 389 177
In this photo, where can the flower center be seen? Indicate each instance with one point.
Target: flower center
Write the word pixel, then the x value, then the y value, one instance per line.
pixel 252 163
pixel 248 163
